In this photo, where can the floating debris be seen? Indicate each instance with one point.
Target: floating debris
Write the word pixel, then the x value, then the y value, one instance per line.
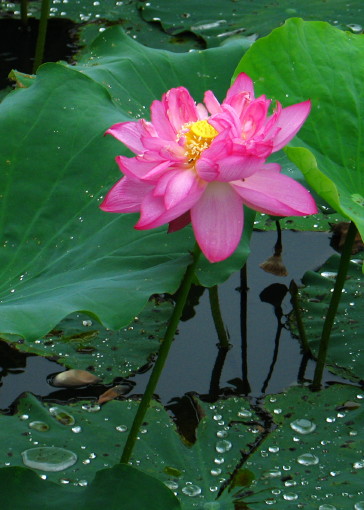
pixel 75 377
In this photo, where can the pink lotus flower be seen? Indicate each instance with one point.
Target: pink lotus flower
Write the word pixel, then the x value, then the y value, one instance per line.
pixel 192 167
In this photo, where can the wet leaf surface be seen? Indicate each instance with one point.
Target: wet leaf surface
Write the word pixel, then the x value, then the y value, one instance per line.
pixel 315 455
pixel 82 343
pixel 345 354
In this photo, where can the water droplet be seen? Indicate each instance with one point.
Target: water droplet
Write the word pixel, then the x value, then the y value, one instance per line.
pixel 121 428
pixel 359 464
pixel 290 496
pixel 214 488
pixel 49 458
pixel 308 459
pixel 359 505
pixel 356 29
pixel 277 411
pixel 331 419
pixel 244 413
pixel 303 426
pixel 82 483
pixel 272 473
pixel 38 425
pixel 273 449
pixel 215 472
pixel 217 417
pixel 222 433
pixel 329 274
pixel 290 483
pixel 191 490
pixel 87 323
pixel 171 484
pixel 223 446
pixel 24 417
pixel 62 416
pixel 91 408
pixel 327 507
pixel 219 460
pixel 76 429
pixel 270 501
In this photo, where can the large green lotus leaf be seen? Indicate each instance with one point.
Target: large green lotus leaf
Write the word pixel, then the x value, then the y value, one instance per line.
pixel 119 485
pixel 97 435
pixel 346 352
pixel 215 20
pixel 59 252
pixel 317 61
pixel 82 343
pixel 299 468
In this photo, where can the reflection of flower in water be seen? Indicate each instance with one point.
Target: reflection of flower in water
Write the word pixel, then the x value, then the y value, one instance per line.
pixel 192 167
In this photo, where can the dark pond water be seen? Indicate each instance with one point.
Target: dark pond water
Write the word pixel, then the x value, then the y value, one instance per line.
pixel 259 361
pixel 17 44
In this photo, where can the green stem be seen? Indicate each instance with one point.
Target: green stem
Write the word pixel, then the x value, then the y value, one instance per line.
pixel 333 306
pixel 216 315
pixel 293 289
pixel 24 12
pixel 42 32
pixel 162 356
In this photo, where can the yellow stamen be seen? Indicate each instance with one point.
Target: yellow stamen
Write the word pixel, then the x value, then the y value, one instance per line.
pixel 203 129
pixel 198 138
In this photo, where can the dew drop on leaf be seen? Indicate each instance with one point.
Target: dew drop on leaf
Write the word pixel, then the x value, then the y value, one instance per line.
pixel 303 426
pixel 223 446
pixel 49 458
pixel 171 484
pixel 308 459
pixel 191 490
pixel 272 473
pixel 359 464
pixel 290 496
pixel 62 416
pixel 38 425
pixel 121 428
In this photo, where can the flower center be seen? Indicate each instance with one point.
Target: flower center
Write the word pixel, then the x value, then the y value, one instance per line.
pixel 198 138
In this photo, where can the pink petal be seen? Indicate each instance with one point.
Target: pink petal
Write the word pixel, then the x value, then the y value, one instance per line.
pixel 242 83
pixel 270 192
pixel 125 196
pixel 164 149
pixel 227 120
pixel 233 168
pixel 180 107
pixel 212 104
pixel 138 168
pixel 254 118
pixel 217 220
pixel 161 121
pixel 239 102
pixel 182 184
pixel 202 111
pixel 155 173
pixel 227 160
pixel 130 134
pixel 290 121
pixel 154 213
